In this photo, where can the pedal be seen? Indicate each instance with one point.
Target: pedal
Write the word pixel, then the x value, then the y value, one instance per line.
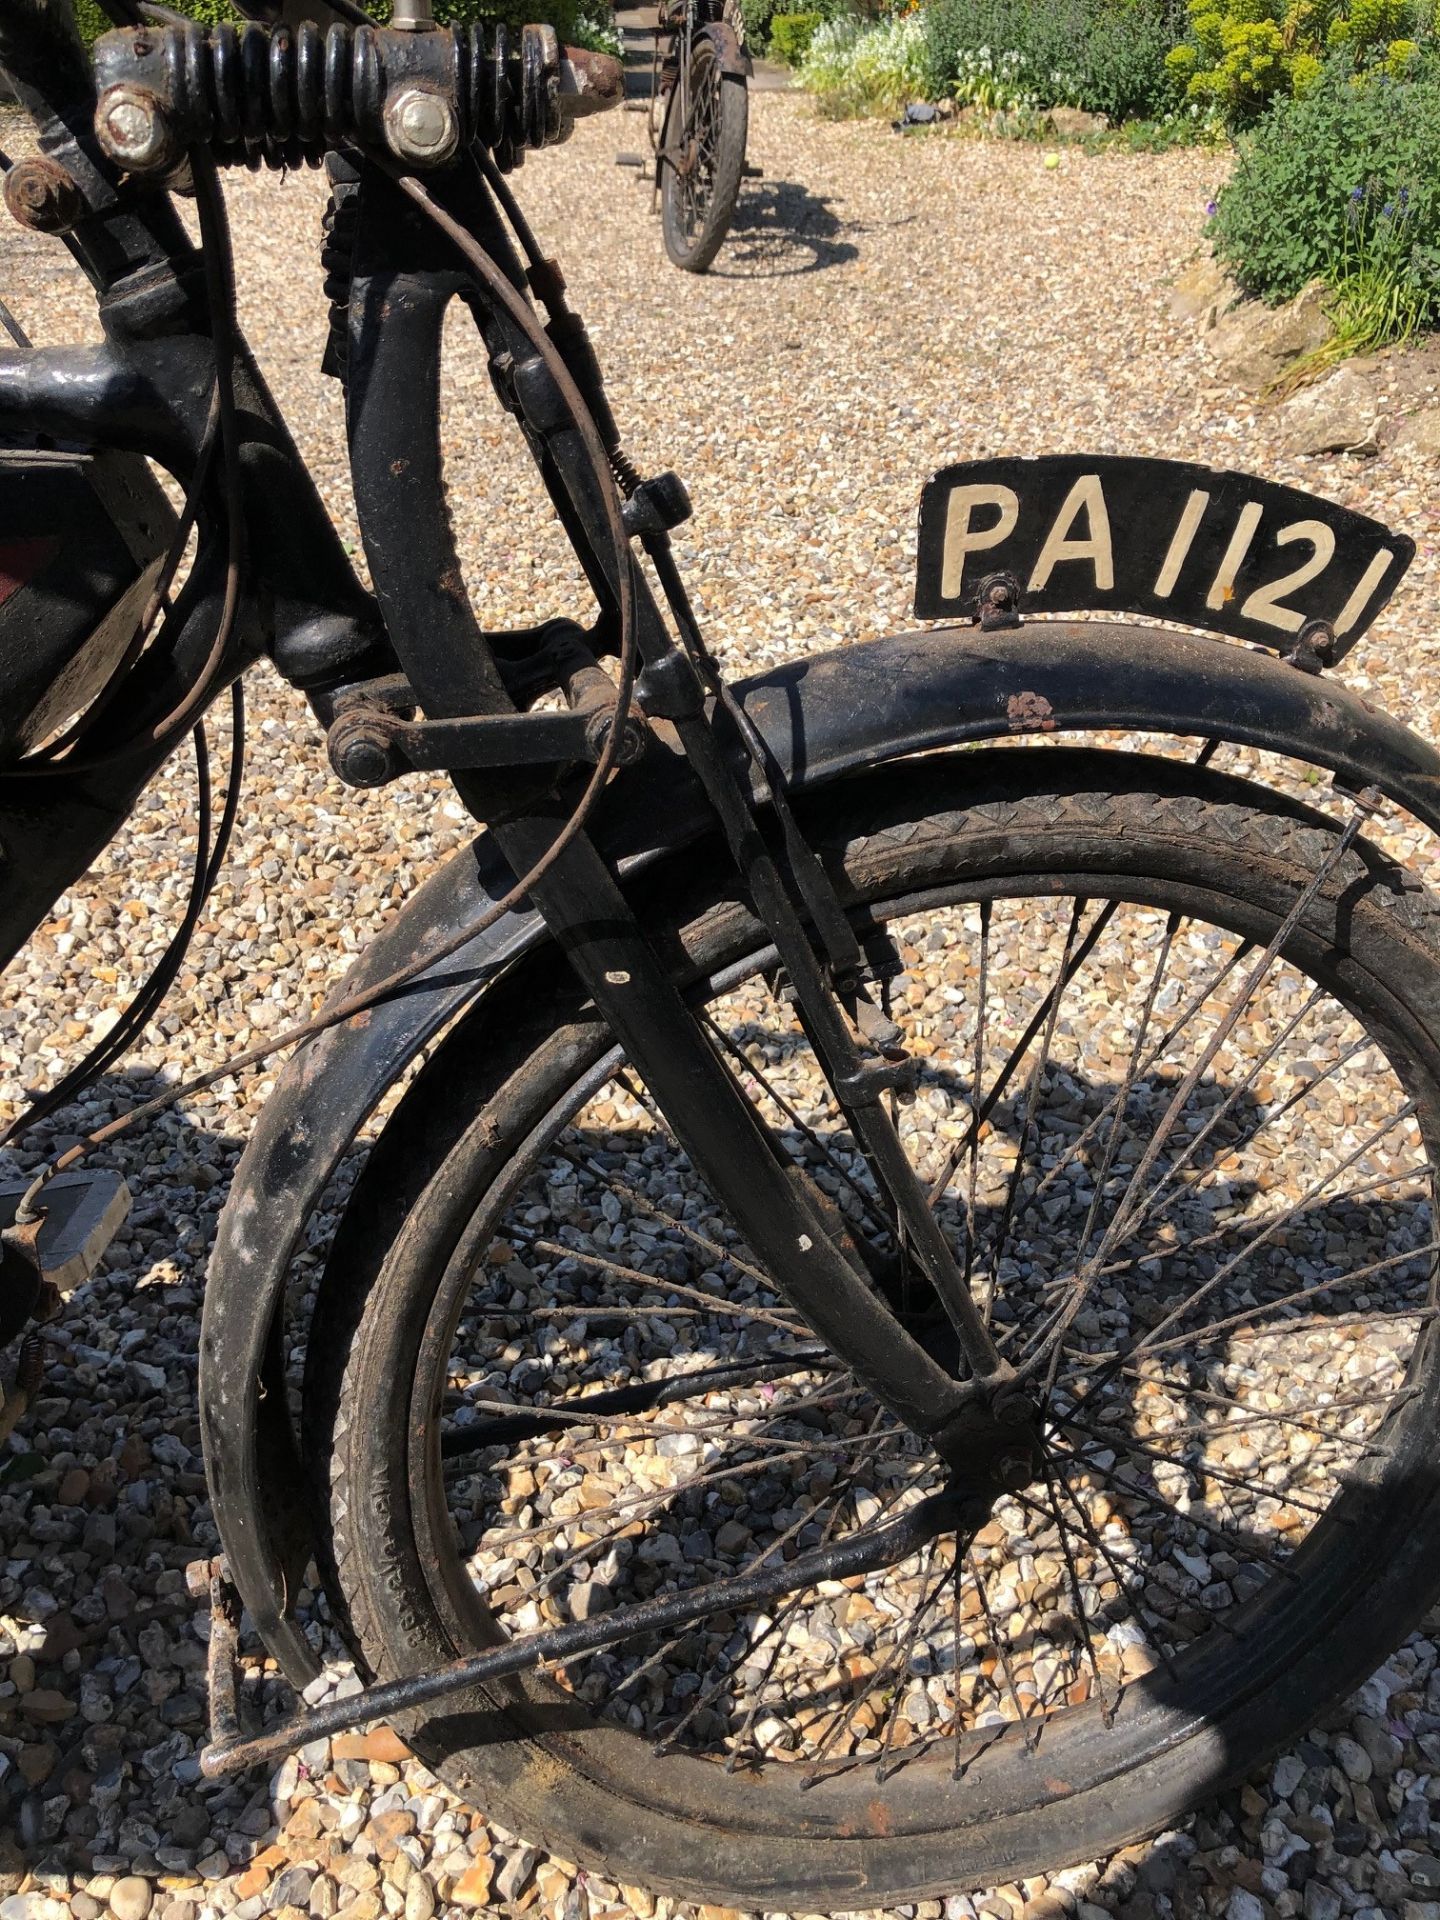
pixel 630 160
pixel 84 1211
pixel 747 172
pixel 636 106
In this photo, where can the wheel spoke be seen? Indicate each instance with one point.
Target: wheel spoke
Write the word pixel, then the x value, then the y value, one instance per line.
pixel 1067 970
pixel 1128 1213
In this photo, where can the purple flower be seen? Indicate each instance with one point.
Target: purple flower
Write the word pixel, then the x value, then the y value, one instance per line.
pixel 1210 209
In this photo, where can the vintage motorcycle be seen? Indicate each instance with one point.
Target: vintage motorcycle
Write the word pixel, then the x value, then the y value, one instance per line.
pixel 888 1340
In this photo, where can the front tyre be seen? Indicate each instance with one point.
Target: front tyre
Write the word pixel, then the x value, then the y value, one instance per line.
pixel 702 180
pixel 1198 1212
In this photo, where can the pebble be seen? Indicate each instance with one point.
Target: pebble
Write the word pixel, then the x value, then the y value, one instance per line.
pixel 130 1898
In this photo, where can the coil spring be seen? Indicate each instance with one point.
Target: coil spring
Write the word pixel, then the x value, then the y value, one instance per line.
pixel 624 469
pixel 281 97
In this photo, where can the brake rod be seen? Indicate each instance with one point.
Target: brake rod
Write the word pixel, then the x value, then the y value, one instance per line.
pixel 863 1552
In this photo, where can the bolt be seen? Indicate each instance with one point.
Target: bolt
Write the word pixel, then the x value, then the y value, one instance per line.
pixel 134 130
pixel 421 127
pixel 1014 1470
pixel 360 751
pixel 41 195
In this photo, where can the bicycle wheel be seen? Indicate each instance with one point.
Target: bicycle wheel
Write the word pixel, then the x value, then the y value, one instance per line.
pixel 1178 1047
pixel 702 183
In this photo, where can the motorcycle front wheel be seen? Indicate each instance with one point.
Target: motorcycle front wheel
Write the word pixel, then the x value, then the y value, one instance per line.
pixel 1176 1089
pixel 702 180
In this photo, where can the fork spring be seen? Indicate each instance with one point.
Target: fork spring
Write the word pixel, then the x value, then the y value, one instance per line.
pixel 282 96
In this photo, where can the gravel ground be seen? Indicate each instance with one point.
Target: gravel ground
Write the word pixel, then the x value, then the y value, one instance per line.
pixel 885 307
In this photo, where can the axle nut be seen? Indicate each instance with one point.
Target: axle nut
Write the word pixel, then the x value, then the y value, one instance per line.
pixel 421 127
pixel 134 130
pixel 361 752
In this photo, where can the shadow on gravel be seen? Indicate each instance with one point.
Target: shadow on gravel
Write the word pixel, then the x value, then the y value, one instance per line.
pixel 782 229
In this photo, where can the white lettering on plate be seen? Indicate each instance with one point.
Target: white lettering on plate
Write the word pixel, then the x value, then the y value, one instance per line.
pixel 1181 543
pixel 1222 587
pixel 961 539
pixel 1264 603
pixel 1360 598
pixel 1087 496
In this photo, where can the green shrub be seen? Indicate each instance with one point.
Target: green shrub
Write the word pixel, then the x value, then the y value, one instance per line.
pixel 790 35
pixel 1242 54
pixel 1108 56
pixel 758 18
pixel 853 68
pixel 1340 184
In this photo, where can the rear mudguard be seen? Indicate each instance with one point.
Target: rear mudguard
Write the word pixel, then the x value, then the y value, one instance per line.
pixel 823 718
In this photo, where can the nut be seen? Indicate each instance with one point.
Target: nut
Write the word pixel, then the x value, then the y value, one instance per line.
pixel 41 195
pixel 1013 1471
pixel 134 130
pixel 360 750
pixel 421 127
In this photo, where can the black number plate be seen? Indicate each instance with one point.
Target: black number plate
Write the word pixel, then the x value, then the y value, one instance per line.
pixel 1221 551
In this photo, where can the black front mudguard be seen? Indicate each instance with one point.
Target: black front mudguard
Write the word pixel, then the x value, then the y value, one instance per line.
pixel 823 718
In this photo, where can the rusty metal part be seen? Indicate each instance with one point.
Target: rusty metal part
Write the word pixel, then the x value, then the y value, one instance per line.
pixel 589 82
pixel 135 130
pixel 222 1664
pixel 22 1276
pixel 374 740
pixel 421 126
pixel 1313 648
pixel 1000 602
pixel 43 196
pixel 286 97
pixel 862 1552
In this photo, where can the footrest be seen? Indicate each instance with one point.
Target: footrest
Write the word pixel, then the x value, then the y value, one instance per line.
pixel 83 1213
pixel 747 172
pixel 629 159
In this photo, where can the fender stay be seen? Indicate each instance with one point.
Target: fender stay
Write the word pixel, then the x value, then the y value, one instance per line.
pixel 838 713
